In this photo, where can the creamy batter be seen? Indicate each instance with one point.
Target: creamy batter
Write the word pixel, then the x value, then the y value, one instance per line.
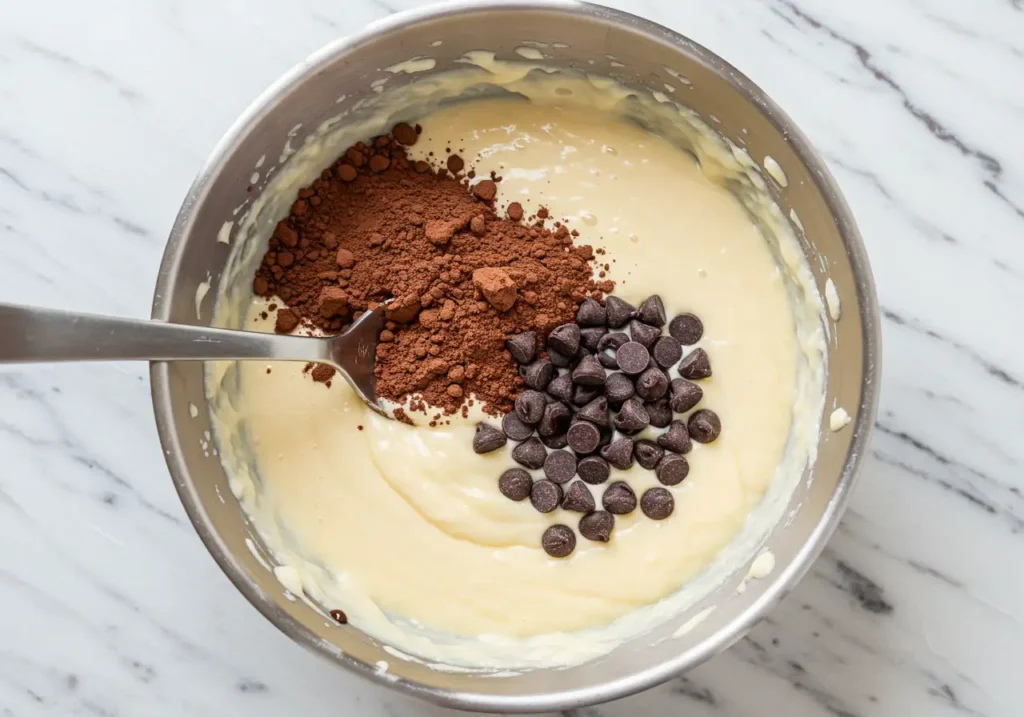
pixel 404 527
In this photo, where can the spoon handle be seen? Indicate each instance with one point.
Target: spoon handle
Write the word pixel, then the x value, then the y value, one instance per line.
pixel 31 334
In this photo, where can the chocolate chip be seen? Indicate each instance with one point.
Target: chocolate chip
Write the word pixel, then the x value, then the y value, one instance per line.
pixel 559 466
pixel 558 440
pixel 565 339
pixel 537 375
pixel 643 334
pixel 619 453
pixel 704 425
pixel 583 437
pixel 672 469
pixel 582 395
pixel 619 312
pixel 617 388
pixel 686 328
pixel 632 417
pixel 530 406
pixel 559 360
pixel 514 427
pixel 667 351
pixel 685 395
pixel 515 484
pixel 558 541
pixel 588 372
pixel 545 496
pixel 596 412
pixel 339 616
pixel 578 498
pixel 652 311
pixel 607 347
pixel 657 503
pixel 695 365
pixel 591 313
pixel 632 357
pixel 660 412
pixel 676 438
pixel 597 526
pixel 590 338
pixel 561 387
pixel 652 384
pixel 648 453
pixel 523 347
pixel 593 470
pixel 530 453
pixel 555 420
pixel 487 438
pixel 619 498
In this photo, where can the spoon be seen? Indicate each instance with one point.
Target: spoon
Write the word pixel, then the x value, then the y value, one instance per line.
pixel 30 334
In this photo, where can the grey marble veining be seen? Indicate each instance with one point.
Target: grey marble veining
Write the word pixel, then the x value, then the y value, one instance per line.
pixel 111 605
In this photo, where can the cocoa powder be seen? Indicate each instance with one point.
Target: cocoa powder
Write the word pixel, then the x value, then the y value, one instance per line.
pixel 376 226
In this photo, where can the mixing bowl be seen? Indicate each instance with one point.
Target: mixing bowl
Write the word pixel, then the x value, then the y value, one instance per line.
pixel 567 34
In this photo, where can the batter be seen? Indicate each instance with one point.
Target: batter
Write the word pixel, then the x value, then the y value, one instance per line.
pixel 404 528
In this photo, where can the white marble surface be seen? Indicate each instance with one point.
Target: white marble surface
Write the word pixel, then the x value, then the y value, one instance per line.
pixel 111 605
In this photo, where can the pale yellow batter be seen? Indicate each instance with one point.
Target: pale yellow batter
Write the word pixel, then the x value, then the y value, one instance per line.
pixel 410 521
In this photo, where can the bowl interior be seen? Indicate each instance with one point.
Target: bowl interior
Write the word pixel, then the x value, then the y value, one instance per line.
pixel 568 35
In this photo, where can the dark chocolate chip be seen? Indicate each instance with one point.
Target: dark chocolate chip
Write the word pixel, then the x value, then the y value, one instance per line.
pixel 558 541
pixel 591 338
pixel 557 441
pixel 593 470
pixel 705 426
pixel 652 311
pixel 589 372
pixel 514 427
pixel 559 466
pixel 582 395
pixel 617 388
pixel 686 328
pixel 530 406
pixel 607 347
pixel 530 453
pixel 565 339
pixel 561 387
pixel 632 358
pixel 660 412
pixel 619 498
pixel 596 412
pixel 643 334
pixel 597 526
pixel 672 469
pixel 538 374
pixel 545 496
pixel 648 453
pixel 619 311
pixel 632 417
pixel 606 437
pixel 667 351
pixel 657 503
pixel 685 395
pixel 652 384
pixel 555 420
pixel 559 360
pixel 619 453
pixel 488 438
pixel 339 617
pixel 523 347
pixel 515 484
pixel 591 313
pixel 578 498
pixel 676 438
pixel 695 365
pixel 583 437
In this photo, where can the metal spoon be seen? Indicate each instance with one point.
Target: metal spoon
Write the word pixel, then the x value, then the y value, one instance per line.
pixel 30 334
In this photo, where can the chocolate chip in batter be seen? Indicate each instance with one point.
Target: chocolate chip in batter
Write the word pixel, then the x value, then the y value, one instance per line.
pixel 565 339
pixel 555 420
pixel 667 351
pixel 660 412
pixel 643 334
pixel 590 338
pixel 652 311
pixel 652 384
pixel 619 498
pixel 558 541
pixel 597 526
pixel 530 453
pixel 672 469
pixel 619 453
pixel 684 395
pixel 578 498
pixel 487 438
pixel 596 412
pixel 559 466
pixel 561 387
pixel 632 358
pixel 617 388
pixel 530 407
pixel 619 312
pixel 686 329
pixel 514 427
pixel 538 374
pixel 591 313
pixel 523 347
pixel 515 484
pixel 588 372
pixel 704 425
pixel 695 365
pixel 632 417
pixel 657 503
pixel 648 453
pixel 583 437
pixel 545 496
pixel 608 346
pixel 339 616
pixel 676 438
pixel 593 470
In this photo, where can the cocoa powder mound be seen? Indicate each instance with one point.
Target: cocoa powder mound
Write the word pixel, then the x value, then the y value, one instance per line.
pixel 376 226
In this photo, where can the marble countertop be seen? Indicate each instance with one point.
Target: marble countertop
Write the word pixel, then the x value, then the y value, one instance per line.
pixel 111 604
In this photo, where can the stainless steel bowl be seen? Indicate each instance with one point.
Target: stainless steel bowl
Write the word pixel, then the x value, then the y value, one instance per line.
pixel 577 35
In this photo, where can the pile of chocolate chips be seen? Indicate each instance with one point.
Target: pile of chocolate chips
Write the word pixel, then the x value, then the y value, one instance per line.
pixel 599 381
